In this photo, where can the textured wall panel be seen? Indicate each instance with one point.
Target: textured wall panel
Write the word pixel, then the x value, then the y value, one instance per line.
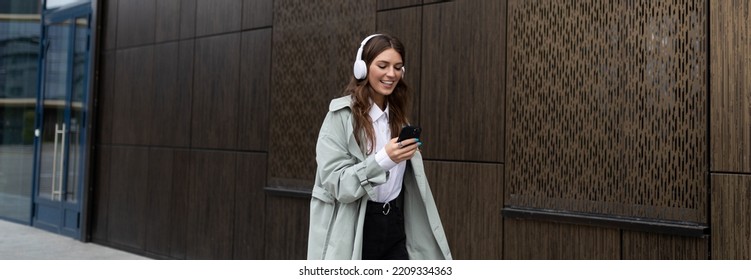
pixel 100 202
pixel 158 200
pixel 287 220
pixel 180 203
pixel 171 110
pixel 393 4
pixel 253 102
pixel 257 13
pixel 128 197
pixel 250 206
pixel 731 217
pixel 134 99
pixel 463 62
pixel 135 22
pixel 105 98
pixel 607 108
pixel 469 199
pixel 315 43
pixel 211 199
pixel 187 19
pixel 167 202
pixel 215 92
pixel 652 246
pixel 167 20
pixel 731 85
pixel 533 240
pixel 109 17
pixel 183 97
pixel 406 24
pixel 218 16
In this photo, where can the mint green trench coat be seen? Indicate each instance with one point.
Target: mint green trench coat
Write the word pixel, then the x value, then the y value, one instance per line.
pixel 345 178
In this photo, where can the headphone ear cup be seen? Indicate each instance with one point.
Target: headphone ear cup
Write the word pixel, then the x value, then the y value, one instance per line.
pixel 404 71
pixel 360 69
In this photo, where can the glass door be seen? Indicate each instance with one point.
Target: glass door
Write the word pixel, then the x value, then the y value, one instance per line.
pixel 62 112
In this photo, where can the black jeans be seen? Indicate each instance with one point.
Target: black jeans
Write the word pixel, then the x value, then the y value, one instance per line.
pixel 383 233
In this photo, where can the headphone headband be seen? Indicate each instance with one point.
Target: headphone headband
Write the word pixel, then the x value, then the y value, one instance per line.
pixel 361 69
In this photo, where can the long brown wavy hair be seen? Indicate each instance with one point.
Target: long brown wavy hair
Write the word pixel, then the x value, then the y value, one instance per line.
pixel 399 101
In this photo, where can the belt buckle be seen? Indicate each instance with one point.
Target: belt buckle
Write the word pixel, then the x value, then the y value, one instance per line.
pixel 386 210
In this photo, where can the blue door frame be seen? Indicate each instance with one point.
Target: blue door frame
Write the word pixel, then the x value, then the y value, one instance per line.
pixel 57 207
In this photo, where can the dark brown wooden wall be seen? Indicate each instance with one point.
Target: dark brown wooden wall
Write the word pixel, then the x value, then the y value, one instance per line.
pixel 606 117
pixel 208 112
pixel 730 126
pixel 182 129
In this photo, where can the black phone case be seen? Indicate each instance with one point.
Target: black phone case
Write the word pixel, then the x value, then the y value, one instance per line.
pixel 409 132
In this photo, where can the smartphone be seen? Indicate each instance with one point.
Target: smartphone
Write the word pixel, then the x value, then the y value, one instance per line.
pixel 409 132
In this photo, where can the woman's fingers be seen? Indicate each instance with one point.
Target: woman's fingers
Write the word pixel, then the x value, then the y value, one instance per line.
pixel 408 142
pixel 404 150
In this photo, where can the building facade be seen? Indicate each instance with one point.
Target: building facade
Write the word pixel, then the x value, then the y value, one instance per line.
pixel 551 129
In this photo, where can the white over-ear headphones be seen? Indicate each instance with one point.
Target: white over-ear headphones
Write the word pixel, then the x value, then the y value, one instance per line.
pixel 361 68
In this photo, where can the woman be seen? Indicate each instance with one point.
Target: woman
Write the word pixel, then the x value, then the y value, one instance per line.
pixel 371 198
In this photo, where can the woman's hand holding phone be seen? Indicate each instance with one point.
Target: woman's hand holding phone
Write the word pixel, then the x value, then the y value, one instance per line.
pixel 404 147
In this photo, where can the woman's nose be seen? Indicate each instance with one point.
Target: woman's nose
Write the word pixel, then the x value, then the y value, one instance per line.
pixel 391 72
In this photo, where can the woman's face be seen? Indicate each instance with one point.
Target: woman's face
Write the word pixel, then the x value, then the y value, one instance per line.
pixel 385 72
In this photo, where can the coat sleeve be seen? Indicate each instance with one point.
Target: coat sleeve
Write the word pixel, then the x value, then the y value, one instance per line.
pixel 342 175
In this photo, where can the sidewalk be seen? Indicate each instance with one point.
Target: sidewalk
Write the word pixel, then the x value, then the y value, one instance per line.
pixel 22 242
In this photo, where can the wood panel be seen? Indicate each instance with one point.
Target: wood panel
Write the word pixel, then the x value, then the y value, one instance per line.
pixel 159 199
pixel 731 217
pixel 425 2
pixel 135 22
pixel 250 206
pixel 406 24
pixel 167 25
pixel 101 186
pixel 469 197
pixel 211 202
pixel 462 95
pixel 215 92
pixel 652 246
pixel 128 203
pixel 171 110
pixel 730 58
pixel 105 98
pixel 183 98
pixel 109 17
pixel 187 19
pixel 253 111
pixel 133 98
pixel 180 203
pixel 218 16
pixel 257 13
pixel 395 4
pixel 622 132
pixel 287 220
pixel 166 222
pixel 533 240
pixel 314 47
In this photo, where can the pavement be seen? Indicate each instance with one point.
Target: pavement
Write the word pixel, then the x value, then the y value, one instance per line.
pixel 23 242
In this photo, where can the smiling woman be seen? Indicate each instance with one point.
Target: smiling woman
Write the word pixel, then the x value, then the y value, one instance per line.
pixel 371 199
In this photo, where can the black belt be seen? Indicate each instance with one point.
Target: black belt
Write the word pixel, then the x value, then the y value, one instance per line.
pixel 383 208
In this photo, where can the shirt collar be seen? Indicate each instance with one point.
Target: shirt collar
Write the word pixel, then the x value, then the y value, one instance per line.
pixel 376 113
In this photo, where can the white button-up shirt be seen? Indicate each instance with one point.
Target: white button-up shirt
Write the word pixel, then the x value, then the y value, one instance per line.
pixel 390 190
